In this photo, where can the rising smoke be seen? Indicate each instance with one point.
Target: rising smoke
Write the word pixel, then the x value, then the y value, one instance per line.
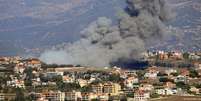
pixel 101 43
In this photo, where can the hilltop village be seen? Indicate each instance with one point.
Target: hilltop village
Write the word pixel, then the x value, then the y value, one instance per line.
pixel 169 76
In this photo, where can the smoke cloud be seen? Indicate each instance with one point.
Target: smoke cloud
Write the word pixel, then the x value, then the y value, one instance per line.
pixel 101 43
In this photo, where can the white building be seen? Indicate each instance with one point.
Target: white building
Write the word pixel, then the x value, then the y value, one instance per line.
pixel 16 83
pixel 150 75
pixel 130 81
pixel 141 96
pixel 54 96
pixel 166 91
pixel 72 96
pixel 169 71
pixel 146 87
pixel 82 82
pixel 180 78
pixel 68 79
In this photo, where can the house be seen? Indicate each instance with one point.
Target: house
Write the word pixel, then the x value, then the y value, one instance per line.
pixel 7 97
pixel 152 72
pixel 180 78
pixel 72 96
pixel 166 91
pixel 111 88
pixel 184 72
pixel 41 99
pixel 199 72
pixel 54 95
pixel 177 55
pixel 4 60
pixel 97 88
pixel 146 87
pixel 171 70
pixel 197 65
pixel 192 81
pixel 34 63
pixel 162 55
pixel 19 68
pixel 88 96
pixel 141 95
pixel 169 85
pixel 68 79
pixel 16 83
pixel 82 82
pixel 38 96
pixel 103 97
pixel 193 56
pixel 52 74
pixel 130 72
pixel 149 81
pixel 194 90
pixel 92 79
pixel 130 81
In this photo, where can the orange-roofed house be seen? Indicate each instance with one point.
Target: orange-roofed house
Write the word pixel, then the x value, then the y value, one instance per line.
pixel 68 79
pixel 130 81
pixel 184 72
pixel 169 85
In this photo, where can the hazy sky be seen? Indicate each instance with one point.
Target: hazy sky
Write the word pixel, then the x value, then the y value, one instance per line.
pixel 49 22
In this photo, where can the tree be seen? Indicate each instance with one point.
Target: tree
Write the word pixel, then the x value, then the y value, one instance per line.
pixel 193 73
pixel 43 78
pixel 95 100
pixel 162 74
pixel 169 54
pixel 154 95
pixel 31 97
pixel 174 74
pixel 67 87
pixel 112 78
pixel 164 79
pixel 29 76
pixel 86 89
pixel 140 74
pixel 59 81
pixel 19 95
pixel 131 95
pixel 186 55
pixel 182 85
pixel 2 82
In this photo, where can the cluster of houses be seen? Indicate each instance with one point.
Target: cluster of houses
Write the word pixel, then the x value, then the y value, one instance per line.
pixel 132 85
pixel 173 55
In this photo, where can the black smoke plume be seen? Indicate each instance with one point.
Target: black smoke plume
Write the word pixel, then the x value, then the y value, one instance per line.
pixel 102 44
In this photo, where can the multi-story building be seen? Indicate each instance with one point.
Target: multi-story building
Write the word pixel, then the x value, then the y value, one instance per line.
pixel 166 91
pixel 152 72
pixel 141 95
pixel 111 88
pixel 98 88
pixel 88 96
pixel 130 81
pixel 146 87
pixel 72 96
pixel 5 97
pixel 68 79
pixel 82 82
pixel 54 96
pixel 16 83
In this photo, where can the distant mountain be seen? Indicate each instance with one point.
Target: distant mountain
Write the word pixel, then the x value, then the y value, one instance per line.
pixel 33 25
pixel 187 22
pixel 30 25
